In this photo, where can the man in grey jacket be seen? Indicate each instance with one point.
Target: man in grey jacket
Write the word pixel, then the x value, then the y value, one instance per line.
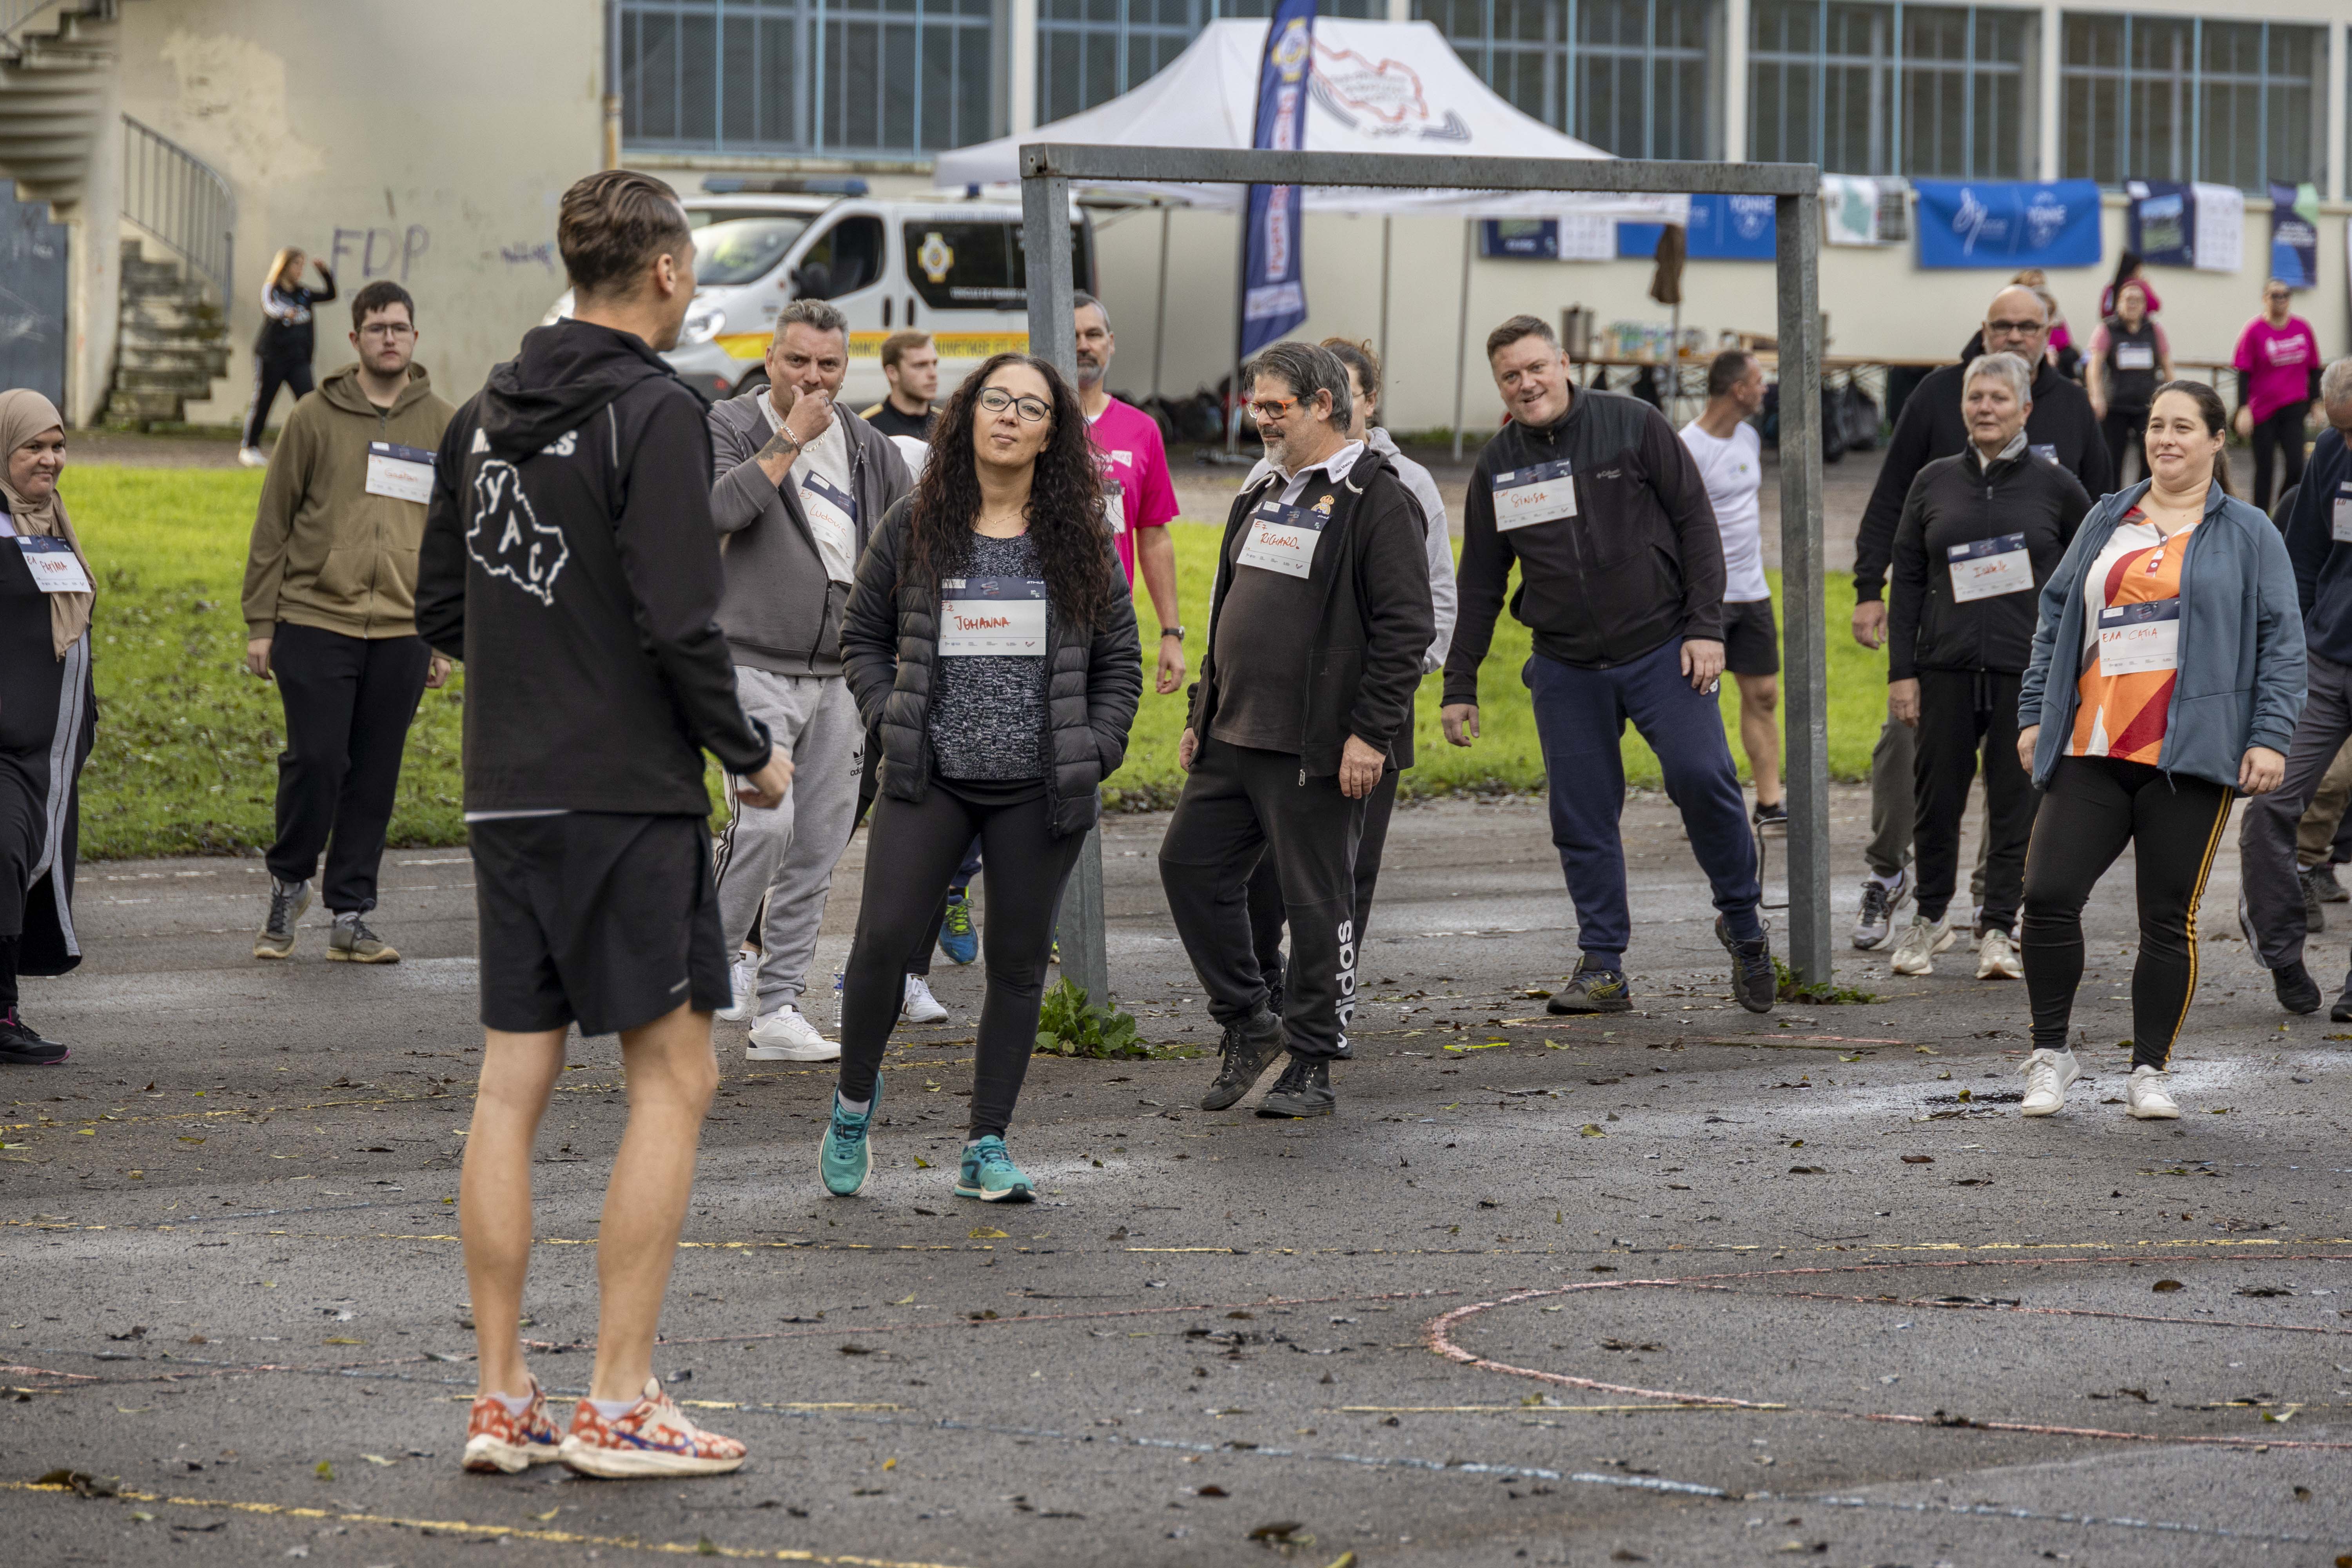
pixel 800 485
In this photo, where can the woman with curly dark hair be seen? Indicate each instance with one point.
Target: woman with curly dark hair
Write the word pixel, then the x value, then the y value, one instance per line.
pixel 991 639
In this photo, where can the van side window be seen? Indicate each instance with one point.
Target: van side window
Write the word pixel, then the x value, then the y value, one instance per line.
pixel 850 256
pixel 964 265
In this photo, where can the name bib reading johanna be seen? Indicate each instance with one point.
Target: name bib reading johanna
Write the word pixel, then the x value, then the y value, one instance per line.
pixel 2140 639
pixel 403 473
pixel 1524 497
pixel 1000 616
pixel 1987 568
pixel 1282 539
pixel 55 568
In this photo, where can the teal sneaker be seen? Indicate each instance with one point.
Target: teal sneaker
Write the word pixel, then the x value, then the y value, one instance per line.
pixel 845 1157
pixel 990 1174
pixel 958 940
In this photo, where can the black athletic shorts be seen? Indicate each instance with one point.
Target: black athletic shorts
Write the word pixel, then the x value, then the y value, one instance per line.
pixel 1751 641
pixel 595 918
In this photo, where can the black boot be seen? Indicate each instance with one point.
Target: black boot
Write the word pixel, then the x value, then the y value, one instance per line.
pixel 1247 1051
pixel 1755 985
pixel 1303 1089
pixel 2298 991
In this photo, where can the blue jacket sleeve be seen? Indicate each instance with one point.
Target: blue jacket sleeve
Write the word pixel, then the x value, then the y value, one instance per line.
pixel 2065 583
pixel 2280 671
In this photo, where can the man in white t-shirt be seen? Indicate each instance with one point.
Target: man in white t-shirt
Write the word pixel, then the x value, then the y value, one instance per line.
pixel 1730 456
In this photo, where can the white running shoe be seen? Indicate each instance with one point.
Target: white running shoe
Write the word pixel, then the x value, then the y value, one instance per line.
pixel 1996 957
pixel 743 980
pixel 1915 949
pixel 252 458
pixel 921 1007
pixel 787 1036
pixel 2048 1075
pixel 2144 1090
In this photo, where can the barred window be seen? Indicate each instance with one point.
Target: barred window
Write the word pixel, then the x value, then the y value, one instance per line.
pixel 2179 97
pixel 1090 51
pixel 1636 77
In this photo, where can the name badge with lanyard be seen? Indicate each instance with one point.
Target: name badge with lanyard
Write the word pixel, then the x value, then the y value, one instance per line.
pixel 55 568
pixel 403 473
pixel 2134 356
pixel 1987 568
pixel 1524 497
pixel 1000 616
pixel 2340 518
pixel 2140 639
pixel 1282 539
pixel 833 519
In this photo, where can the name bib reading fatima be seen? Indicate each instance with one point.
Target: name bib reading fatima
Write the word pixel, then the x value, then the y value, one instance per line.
pixel 991 615
pixel 2140 639
pixel 55 568
pixel 1524 497
pixel 1282 539
pixel 1986 568
pixel 403 473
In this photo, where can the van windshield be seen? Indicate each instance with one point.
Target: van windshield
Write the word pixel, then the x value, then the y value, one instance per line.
pixel 743 249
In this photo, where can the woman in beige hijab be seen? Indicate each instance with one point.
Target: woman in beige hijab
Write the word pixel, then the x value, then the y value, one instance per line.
pixel 49 713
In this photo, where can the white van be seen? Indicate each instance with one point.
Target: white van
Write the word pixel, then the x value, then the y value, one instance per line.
pixel 952 267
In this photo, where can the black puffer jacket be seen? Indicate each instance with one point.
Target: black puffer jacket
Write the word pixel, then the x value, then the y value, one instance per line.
pixel 1959 500
pixel 890 635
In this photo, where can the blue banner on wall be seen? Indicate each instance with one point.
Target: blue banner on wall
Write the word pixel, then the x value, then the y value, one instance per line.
pixel 1273 295
pixel 2008 223
pixel 2294 235
pixel 1519 238
pixel 2162 222
pixel 1722 229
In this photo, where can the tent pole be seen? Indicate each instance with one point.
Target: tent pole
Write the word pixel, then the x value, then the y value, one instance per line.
pixel 1388 226
pixel 1462 333
pixel 1160 317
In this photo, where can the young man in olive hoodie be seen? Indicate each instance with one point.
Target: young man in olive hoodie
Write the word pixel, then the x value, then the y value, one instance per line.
pixel 330 616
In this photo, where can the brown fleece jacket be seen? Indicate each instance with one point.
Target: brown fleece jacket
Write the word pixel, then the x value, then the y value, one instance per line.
pixel 326 553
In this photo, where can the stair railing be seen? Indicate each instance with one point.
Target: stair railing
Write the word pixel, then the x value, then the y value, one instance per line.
pixel 183 201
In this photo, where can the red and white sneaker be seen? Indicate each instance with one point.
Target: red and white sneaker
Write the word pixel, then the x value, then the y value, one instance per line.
pixel 499 1440
pixel 653 1438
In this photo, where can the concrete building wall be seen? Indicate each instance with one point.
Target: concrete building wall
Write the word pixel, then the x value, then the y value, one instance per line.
pixel 425 140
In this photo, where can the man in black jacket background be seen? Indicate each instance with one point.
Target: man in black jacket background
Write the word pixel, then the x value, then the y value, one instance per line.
pixel 1317 621
pixel 1621 579
pixel 2061 427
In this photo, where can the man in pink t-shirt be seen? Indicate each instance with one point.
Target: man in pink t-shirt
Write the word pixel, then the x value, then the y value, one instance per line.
pixel 1142 498
pixel 2278 355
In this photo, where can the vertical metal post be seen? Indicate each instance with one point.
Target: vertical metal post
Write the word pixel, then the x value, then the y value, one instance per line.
pixel 1159 311
pixel 1388 227
pixel 1462 332
pixel 1805 682
pixel 1053 337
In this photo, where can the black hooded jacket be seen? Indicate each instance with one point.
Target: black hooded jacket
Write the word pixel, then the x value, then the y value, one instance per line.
pixel 569 560
pixel 1958 502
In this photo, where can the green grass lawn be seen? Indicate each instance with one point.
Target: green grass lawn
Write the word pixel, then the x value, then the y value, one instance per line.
pixel 187 742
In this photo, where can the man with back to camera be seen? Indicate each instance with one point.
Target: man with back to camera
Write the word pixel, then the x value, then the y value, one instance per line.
pixel 1317 621
pixel 331 616
pixel 1137 491
pixel 2062 427
pixel 1724 442
pixel 570 561
pixel 911 363
pixel 800 485
pixel 1621 579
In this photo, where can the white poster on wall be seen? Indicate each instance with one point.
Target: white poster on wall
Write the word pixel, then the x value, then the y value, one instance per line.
pixel 1585 238
pixel 2218 242
pixel 1850 210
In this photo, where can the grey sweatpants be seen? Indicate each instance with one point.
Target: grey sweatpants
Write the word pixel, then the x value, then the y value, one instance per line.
pixel 1894 808
pixel 2266 855
pixel 786 857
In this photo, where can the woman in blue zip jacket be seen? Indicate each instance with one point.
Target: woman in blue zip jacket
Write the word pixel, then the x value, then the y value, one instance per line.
pixel 2166 677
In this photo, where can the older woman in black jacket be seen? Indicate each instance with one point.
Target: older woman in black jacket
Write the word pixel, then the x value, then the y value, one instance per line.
pixel 1980 532
pixel 991 639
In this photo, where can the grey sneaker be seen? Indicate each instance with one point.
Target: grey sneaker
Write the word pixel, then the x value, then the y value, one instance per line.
pixel 286 902
pixel 1879 903
pixel 2315 899
pixel 2331 892
pixel 1248 1051
pixel 350 941
pixel 1303 1089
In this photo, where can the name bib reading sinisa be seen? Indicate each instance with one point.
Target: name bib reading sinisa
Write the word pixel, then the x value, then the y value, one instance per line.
pixel 403 473
pixel 1282 539
pixel 2140 639
pixel 1524 497
pixel 55 568
pixel 1987 568
pixel 1000 616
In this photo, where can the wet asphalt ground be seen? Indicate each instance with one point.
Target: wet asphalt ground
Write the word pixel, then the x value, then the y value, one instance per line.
pixel 1683 1285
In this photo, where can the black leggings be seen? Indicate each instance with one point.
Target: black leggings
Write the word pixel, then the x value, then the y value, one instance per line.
pixel 1963 713
pixel 2281 433
pixel 2094 807
pixel 2125 428
pixel 268 375
pixel 911 852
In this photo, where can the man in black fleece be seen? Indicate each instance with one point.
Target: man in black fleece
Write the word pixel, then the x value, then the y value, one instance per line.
pixel 1621 578
pixel 2061 429
pixel 569 560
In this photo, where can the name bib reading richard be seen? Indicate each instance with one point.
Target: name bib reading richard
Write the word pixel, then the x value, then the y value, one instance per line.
pixel 2140 639
pixel 1524 497
pixel 1000 616
pixel 1986 568
pixel 1282 539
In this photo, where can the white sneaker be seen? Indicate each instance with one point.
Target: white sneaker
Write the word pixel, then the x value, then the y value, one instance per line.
pixel 1996 957
pixel 252 458
pixel 2048 1075
pixel 1915 949
pixel 921 1007
pixel 743 979
pixel 786 1036
pixel 2144 1090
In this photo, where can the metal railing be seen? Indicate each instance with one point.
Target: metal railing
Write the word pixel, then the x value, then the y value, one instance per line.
pixel 181 200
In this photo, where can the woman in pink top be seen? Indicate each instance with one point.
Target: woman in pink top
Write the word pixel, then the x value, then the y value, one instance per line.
pixel 2127 270
pixel 2277 361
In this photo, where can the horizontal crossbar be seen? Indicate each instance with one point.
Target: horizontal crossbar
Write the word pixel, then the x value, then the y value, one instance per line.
pixel 1249 167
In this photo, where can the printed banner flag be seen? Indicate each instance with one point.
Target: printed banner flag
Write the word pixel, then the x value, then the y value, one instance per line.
pixel 2294 235
pixel 2220 238
pixel 1519 238
pixel 1850 210
pixel 1721 229
pixel 2160 224
pixel 2008 223
pixel 1273 295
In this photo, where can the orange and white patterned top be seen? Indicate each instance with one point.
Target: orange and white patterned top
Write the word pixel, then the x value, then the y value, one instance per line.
pixel 2123 715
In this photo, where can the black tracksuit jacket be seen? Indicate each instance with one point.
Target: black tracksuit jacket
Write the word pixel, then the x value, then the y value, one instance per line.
pixel 569 560
pixel 1959 501
pixel 1640 563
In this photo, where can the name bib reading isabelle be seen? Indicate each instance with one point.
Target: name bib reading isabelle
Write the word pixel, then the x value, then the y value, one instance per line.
pixel 55 568
pixel 1524 497
pixel 2140 639
pixel 833 518
pixel 2134 356
pixel 999 616
pixel 1986 568
pixel 1282 539
pixel 403 473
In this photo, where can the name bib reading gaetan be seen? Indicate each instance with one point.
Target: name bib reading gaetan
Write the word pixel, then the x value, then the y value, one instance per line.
pixel 1987 568
pixel 1282 539
pixel 998 616
pixel 55 568
pixel 403 473
pixel 833 518
pixel 2140 639
pixel 1524 497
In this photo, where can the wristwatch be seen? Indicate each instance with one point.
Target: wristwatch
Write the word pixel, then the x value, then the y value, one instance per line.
pixel 1176 632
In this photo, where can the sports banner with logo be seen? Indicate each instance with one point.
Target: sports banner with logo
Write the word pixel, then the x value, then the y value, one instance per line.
pixel 2008 223
pixel 1273 295
pixel 2294 235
